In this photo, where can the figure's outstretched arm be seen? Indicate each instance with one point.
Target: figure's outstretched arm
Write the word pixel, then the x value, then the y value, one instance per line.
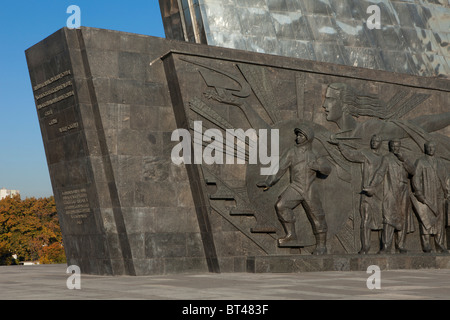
pixel 352 155
pixel 434 122
pixel 429 123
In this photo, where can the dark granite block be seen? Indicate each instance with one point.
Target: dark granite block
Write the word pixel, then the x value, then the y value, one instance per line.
pixel 98 57
pixel 131 66
pixel 96 39
pixel 103 91
pixel 341 264
pixel 302 265
pixel 155 94
pixel 144 116
pixel 140 219
pixel 148 194
pixel 133 43
pixel 137 244
pixel 167 245
pixel 150 142
pixel 194 245
pixel 422 262
pixel 296 263
pixel 184 265
pixel 170 219
pixel 149 266
pixel 117 267
pixel 442 262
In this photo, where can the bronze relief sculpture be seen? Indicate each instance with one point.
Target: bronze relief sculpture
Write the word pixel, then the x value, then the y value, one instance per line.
pixel 370 206
pixel 394 173
pixel 431 189
pixel 331 172
pixel 304 166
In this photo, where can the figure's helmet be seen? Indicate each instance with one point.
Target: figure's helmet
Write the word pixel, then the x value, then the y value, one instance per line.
pixel 306 131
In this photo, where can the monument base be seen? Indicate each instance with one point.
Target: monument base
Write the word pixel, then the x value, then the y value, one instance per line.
pixel 356 262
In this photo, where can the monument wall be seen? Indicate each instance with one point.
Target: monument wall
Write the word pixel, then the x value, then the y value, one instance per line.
pixel 106 121
pixel 108 104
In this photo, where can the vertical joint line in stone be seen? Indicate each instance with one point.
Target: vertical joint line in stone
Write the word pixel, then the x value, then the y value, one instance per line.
pixel 194 22
pixel 195 174
pixel 300 84
pixel 183 21
pixel 113 193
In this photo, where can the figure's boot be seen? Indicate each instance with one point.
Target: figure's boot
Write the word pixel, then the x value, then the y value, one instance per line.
pixel 401 242
pixel 440 243
pixel 440 248
pixel 365 241
pixel 321 243
pixel 426 246
pixel 291 236
pixel 385 249
pixel 387 236
pixel 364 250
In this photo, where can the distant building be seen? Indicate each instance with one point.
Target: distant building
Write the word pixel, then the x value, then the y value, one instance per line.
pixel 7 193
pixel 29 263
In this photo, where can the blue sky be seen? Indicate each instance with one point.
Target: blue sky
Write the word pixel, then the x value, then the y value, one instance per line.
pixel 23 164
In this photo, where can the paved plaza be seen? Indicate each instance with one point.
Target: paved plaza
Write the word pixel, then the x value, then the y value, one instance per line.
pixel 49 282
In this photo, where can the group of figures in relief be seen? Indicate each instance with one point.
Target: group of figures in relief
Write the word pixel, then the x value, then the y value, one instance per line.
pixel 394 186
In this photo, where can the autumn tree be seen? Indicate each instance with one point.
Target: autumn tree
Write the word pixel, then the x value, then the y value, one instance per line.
pixel 5 256
pixel 30 229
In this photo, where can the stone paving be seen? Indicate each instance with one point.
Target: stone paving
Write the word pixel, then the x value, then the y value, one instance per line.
pixel 49 282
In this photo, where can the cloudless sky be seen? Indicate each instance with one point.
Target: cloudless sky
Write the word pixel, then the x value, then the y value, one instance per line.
pixel 23 23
